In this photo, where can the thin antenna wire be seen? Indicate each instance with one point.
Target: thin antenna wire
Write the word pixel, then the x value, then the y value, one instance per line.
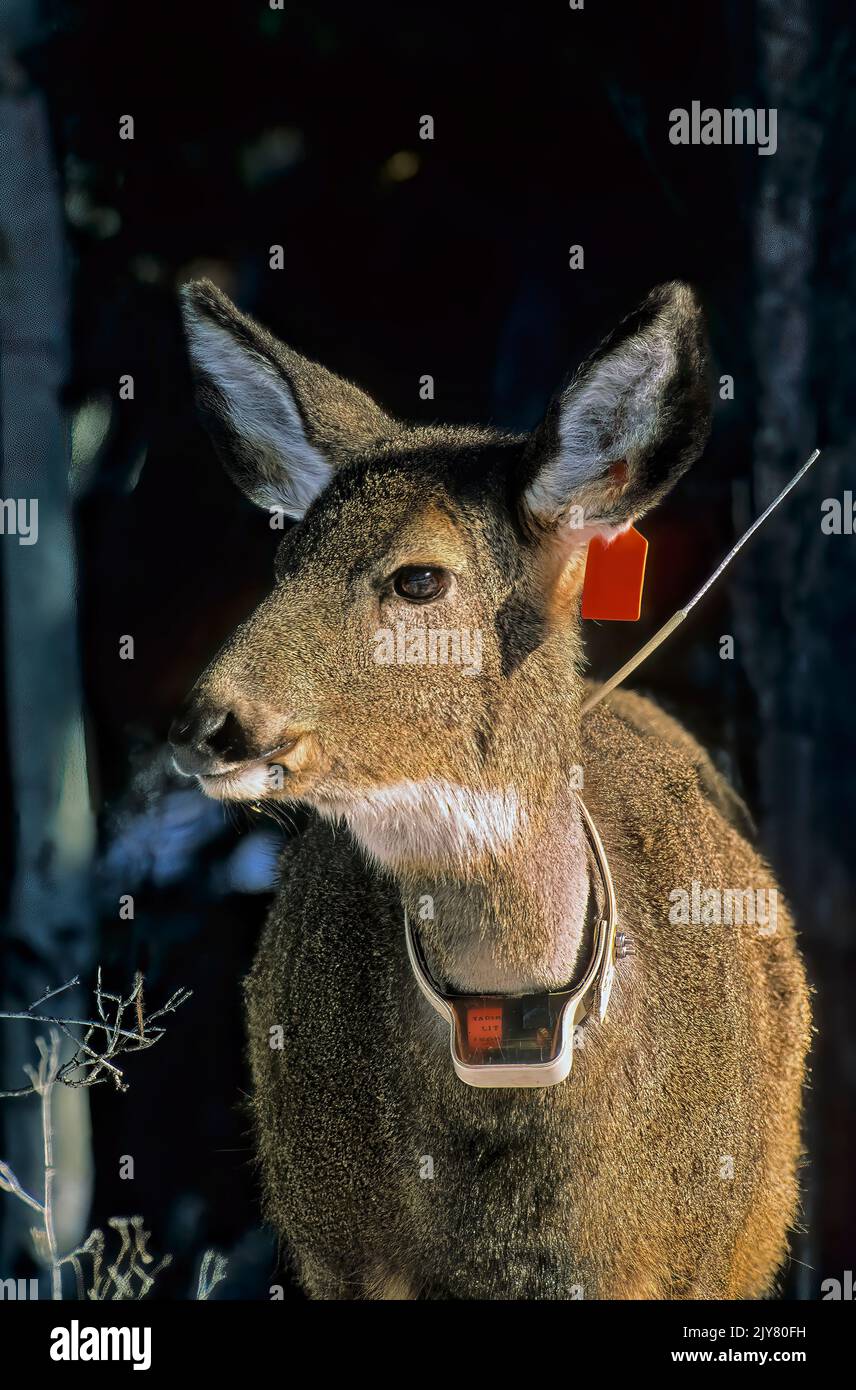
pixel 677 618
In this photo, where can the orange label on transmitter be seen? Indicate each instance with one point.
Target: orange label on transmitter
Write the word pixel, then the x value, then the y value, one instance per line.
pixel 484 1026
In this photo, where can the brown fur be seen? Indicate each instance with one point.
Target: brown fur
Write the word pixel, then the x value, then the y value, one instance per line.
pixel 615 1183
pixel 611 1181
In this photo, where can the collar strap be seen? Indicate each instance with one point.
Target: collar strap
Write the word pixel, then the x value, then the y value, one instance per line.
pixel 525 1039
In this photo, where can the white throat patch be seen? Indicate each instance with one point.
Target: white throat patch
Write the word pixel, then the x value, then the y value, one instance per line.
pixel 432 820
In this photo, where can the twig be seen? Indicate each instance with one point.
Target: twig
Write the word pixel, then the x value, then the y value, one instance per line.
pixel 209 1277
pixel 90 1064
pixel 44 1081
pixel 52 993
pixel 125 1278
pixel 9 1183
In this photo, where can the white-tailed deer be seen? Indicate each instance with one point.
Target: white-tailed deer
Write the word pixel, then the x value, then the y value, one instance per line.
pixel 414 677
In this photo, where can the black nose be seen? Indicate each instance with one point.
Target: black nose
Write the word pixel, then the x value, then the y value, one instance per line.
pixel 206 741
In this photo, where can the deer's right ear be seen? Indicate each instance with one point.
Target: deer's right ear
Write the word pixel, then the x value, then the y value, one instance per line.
pixel 280 423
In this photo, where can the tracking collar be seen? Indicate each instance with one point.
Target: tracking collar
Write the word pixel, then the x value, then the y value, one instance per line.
pixel 526 1039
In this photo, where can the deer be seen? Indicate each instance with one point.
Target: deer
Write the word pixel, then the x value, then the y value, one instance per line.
pixel 465 828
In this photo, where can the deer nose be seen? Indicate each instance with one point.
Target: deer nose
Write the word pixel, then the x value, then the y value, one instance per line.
pixel 207 741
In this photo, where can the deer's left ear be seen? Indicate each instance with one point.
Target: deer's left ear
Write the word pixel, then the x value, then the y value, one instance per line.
pixel 631 421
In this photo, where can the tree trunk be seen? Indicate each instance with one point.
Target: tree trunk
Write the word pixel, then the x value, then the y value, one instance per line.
pixel 48 928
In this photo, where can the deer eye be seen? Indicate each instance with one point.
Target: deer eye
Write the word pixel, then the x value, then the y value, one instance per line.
pixel 420 583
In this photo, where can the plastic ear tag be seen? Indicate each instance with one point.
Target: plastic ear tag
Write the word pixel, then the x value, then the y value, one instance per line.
pixel 615 573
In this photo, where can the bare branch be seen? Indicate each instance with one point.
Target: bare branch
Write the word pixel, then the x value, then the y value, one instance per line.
pixel 9 1183
pixel 93 1062
pixel 212 1271
pixel 52 993
pixel 104 1038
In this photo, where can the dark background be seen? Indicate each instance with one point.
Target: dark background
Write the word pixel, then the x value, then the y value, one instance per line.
pixel 403 257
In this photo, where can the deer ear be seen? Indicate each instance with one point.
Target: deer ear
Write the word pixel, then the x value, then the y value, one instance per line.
pixel 281 423
pixel 630 422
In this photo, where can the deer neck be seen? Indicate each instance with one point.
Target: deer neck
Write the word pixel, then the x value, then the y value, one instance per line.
pixel 496 881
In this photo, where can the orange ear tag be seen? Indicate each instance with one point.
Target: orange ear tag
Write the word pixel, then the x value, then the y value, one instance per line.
pixel 615 573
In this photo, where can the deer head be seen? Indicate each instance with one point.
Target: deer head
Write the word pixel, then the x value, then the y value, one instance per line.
pixel 416 666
